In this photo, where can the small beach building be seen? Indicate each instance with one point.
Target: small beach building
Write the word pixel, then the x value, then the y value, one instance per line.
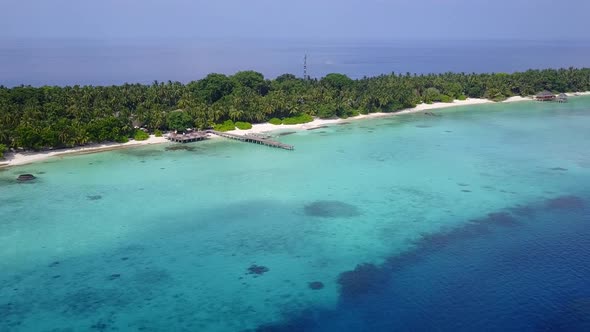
pixel 562 98
pixel 545 96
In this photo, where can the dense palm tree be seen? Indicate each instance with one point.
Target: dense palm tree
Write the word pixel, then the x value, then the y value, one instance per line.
pixel 35 118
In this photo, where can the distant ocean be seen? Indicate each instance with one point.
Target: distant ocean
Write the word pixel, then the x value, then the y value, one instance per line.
pixel 69 62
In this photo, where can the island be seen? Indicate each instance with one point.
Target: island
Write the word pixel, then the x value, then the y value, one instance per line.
pixel 53 117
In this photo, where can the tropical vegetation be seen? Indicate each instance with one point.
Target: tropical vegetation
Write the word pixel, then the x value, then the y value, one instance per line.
pixel 227 125
pixel 243 125
pixel 52 116
pixel 140 135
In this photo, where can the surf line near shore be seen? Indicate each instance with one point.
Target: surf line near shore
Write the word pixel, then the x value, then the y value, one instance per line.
pixel 23 158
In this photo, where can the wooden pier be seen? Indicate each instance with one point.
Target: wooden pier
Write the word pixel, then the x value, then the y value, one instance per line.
pixel 194 136
pixel 253 138
pixel 248 138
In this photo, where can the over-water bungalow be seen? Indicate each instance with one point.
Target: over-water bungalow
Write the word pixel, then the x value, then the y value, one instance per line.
pixel 545 96
pixel 562 98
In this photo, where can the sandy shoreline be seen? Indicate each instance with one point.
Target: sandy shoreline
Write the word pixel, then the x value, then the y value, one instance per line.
pixel 266 127
pixel 23 158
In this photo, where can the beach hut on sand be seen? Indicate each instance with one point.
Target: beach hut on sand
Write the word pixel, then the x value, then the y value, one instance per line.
pixel 562 98
pixel 545 96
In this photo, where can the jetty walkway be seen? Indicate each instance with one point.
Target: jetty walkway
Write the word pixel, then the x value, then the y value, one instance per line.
pixel 248 138
pixel 251 138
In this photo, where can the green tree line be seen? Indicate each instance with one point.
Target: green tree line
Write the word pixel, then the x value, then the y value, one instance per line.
pixel 52 116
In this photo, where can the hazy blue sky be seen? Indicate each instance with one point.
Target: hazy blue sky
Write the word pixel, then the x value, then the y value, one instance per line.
pixel 301 19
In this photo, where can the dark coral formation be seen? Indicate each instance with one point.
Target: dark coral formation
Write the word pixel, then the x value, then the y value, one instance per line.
pixel 569 202
pixel 370 278
pixel 365 278
pixel 182 147
pixel 114 276
pixel 331 209
pixel 94 197
pixel 475 228
pixel 316 285
pixel 502 219
pixel 443 239
pixel 257 269
pixel 141 153
pixel 25 177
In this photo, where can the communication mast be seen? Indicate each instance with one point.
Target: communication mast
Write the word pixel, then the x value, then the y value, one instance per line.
pixel 305 77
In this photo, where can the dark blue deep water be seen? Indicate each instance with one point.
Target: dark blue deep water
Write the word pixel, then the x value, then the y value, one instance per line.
pixel 97 62
pixel 525 268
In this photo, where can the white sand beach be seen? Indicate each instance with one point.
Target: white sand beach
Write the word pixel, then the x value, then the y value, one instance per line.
pixel 572 94
pixel 267 127
pixel 22 158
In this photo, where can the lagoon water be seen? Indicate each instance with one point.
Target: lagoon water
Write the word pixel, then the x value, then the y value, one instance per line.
pixel 474 220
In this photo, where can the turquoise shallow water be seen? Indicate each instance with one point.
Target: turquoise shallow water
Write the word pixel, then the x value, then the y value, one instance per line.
pixel 155 238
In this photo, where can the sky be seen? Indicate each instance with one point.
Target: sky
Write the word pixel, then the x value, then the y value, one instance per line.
pixel 295 19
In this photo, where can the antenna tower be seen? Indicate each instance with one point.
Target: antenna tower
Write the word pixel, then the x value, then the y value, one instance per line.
pixel 305 68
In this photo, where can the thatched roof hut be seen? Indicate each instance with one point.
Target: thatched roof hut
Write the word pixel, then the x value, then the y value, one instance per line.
pixel 545 96
pixel 562 98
